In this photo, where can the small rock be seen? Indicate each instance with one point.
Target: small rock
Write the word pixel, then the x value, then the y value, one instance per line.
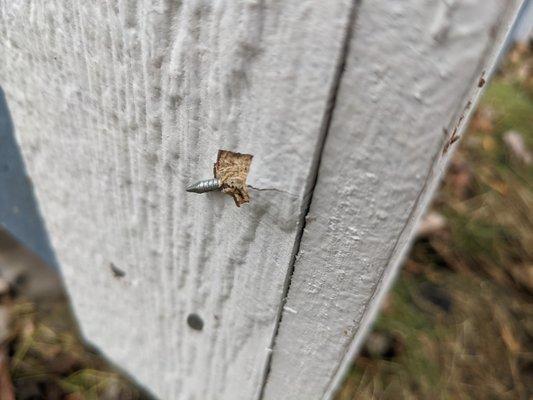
pixel 516 145
pixel 431 224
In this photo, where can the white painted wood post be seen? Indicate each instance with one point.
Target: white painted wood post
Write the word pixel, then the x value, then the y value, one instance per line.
pixel 118 105
pixel 413 70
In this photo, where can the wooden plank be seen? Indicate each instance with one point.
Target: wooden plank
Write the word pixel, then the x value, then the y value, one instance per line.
pixel 117 106
pixel 413 68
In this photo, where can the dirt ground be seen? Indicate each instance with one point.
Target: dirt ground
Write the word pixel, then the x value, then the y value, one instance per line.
pixel 457 325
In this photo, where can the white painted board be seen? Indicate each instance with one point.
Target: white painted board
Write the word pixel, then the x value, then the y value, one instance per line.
pixel 118 105
pixel 413 69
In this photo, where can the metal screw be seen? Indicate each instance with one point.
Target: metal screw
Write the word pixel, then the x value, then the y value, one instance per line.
pixel 208 185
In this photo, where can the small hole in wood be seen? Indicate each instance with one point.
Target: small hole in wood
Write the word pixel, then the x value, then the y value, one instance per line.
pixel 195 322
pixel 117 272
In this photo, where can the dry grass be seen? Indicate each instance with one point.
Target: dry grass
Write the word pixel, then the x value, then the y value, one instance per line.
pixel 49 361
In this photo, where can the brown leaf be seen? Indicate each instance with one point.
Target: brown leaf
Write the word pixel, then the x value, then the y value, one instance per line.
pixel 232 170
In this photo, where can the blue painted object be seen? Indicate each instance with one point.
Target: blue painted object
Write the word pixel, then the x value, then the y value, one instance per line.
pixel 19 213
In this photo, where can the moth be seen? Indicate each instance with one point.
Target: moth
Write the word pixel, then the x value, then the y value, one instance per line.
pixel 231 169
pixel 230 174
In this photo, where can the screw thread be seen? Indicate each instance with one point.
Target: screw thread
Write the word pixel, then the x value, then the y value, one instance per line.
pixel 204 186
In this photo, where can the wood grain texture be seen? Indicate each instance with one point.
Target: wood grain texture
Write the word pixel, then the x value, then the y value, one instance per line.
pixel 117 106
pixel 412 69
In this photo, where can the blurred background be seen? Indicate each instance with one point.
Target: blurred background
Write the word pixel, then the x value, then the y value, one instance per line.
pixel 458 323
